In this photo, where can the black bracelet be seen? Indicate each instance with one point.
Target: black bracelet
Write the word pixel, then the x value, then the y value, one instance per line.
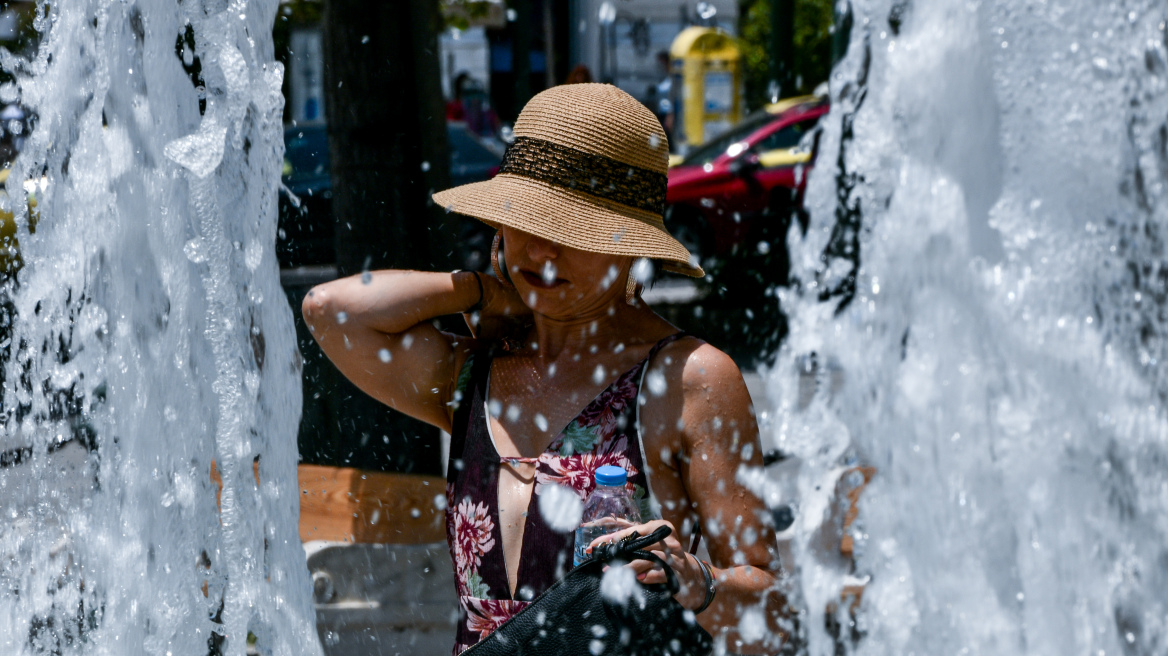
pixel 478 306
pixel 708 575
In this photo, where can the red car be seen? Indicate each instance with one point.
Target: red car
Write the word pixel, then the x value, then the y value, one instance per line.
pixel 721 193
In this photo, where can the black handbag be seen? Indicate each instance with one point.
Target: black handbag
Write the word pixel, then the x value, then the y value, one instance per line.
pixel 573 617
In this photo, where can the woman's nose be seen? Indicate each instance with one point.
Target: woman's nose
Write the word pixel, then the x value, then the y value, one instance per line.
pixel 539 249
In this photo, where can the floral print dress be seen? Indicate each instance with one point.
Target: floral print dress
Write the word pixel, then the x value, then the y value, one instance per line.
pixel 604 433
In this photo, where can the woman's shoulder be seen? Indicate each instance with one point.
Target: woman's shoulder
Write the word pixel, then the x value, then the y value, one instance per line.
pixel 697 364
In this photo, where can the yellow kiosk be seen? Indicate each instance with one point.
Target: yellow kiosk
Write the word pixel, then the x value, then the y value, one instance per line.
pixel 707 84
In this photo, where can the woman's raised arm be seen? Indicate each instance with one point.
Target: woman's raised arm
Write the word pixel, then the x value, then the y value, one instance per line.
pixel 375 327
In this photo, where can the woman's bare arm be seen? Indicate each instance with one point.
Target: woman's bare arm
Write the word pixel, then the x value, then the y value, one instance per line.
pixel 720 436
pixel 696 441
pixel 376 329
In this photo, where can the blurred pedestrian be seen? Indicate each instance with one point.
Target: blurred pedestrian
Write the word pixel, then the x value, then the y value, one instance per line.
pixel 455 108
pixel 579 75
pixel 662 95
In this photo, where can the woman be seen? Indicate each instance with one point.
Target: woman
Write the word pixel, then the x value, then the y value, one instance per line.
pixel 569 371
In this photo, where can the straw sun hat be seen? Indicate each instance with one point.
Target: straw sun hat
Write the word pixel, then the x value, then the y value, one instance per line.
pixel 587 170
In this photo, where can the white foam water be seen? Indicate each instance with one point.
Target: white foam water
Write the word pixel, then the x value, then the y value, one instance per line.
pixel 1000 166
pixel 151 339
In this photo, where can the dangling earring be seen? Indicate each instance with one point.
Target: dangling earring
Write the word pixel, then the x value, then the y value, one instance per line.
pixel 506 282
pixel 631 289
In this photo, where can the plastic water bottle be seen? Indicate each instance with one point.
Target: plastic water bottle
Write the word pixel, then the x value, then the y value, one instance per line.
pixel 608 509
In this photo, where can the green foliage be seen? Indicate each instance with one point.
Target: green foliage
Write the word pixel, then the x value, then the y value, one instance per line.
pixel 461 14
pixel 813 34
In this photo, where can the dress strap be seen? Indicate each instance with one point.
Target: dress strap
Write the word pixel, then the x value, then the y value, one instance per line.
pixel 663 343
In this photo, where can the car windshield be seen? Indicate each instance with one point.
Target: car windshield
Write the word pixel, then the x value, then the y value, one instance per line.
pixel 711 150
pixel 305 153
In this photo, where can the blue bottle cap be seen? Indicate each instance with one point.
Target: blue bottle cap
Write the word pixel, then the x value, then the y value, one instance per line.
pixel 611 476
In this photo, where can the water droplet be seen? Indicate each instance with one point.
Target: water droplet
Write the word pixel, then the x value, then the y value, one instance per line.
pixel 195 250
pixel 656 382
pixel 342 317
pixel 548 273
pixel 541 422
pixel 619 584
pixel 752 625
pixel 384 355
pixel 425 166
pixel 560 507
pixel 643 270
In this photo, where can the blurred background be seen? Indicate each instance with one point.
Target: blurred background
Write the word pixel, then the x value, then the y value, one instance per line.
pixel 386 103
pixel 987 388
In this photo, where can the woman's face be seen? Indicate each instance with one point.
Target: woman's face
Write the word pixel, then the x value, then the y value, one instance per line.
pixel 561 282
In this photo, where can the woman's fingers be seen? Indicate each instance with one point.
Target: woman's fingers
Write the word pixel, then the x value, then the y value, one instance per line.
pixel 639 529
pixel 685 569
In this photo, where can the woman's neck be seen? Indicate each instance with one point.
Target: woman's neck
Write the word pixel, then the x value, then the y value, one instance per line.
pixel 601 331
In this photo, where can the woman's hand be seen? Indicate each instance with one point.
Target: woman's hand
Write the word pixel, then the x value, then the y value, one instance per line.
pixel 502 314
pixel 685 566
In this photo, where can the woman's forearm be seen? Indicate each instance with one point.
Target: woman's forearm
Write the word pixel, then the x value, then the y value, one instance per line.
pixel 390 301
pixel 737 589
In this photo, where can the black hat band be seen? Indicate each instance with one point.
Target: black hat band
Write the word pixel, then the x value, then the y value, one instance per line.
pixel 595 175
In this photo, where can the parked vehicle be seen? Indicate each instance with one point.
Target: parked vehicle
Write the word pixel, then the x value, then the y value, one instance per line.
pixel 721 192
pixel 306 222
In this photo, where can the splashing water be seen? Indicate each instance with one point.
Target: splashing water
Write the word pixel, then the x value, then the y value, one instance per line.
pixel 997 169
pixel 152 344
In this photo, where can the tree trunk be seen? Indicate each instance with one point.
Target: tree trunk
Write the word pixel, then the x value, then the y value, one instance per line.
pixel 387 136
pixel 783 45
pixel 387 145
pixel 521 29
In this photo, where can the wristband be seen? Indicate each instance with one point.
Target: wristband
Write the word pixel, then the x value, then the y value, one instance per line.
pixel 478 306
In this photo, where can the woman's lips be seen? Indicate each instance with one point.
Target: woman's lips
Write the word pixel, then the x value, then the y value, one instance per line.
pixel 536 280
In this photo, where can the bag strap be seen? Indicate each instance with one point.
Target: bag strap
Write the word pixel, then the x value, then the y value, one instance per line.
pixel 633 548
pixel 697 538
